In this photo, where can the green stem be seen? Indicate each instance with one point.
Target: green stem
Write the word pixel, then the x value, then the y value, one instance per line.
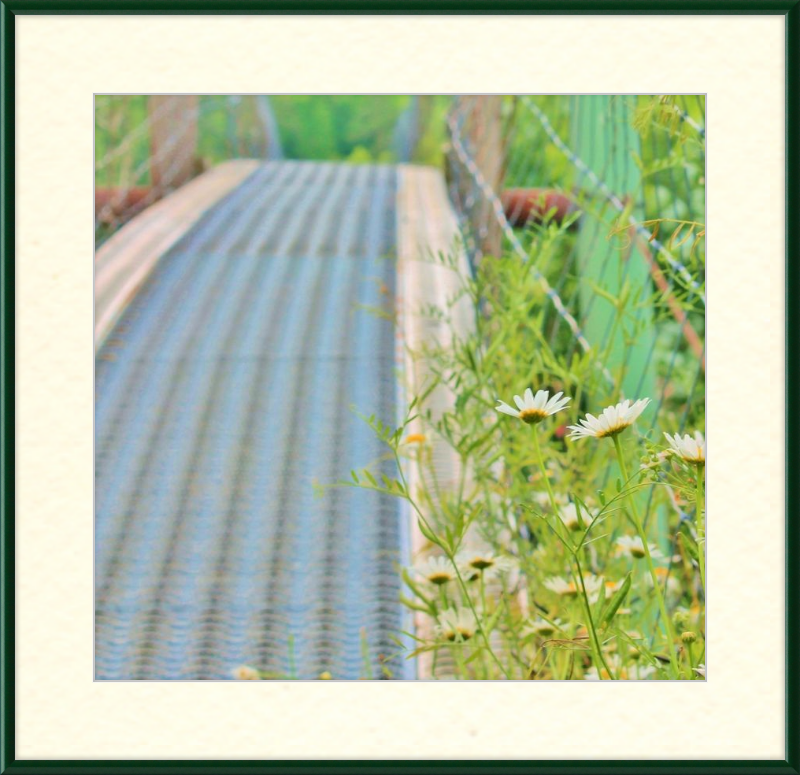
pixel 701 527
pixel 656 584
pixel 292 667
pixel 511 623
pixel 484 658
pixel 598 653
pixel 434 662
pixel 459 659
pixel 544 470
pixel 478 622
pixel 452 559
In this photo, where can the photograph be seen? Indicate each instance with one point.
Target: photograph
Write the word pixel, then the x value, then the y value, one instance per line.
pixel 400 387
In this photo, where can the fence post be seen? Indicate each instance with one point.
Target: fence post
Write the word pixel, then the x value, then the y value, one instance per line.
pixel 173 139
pixel 269 126
pixel 484 133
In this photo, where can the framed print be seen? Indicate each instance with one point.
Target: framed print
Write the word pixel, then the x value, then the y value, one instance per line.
pixel 367 427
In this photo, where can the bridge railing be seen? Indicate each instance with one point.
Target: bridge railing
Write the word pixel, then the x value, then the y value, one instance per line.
pixel 148 145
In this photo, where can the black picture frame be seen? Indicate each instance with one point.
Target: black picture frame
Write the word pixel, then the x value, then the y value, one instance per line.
pixel 10 8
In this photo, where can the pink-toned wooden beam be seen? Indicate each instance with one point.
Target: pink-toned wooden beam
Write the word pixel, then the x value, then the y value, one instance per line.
pixel 173 139
pixel 523 204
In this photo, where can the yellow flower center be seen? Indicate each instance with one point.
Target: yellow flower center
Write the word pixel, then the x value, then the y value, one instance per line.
pixel 439 578
pixel 451 635
pixel 532 416
pixel 481 563
pixel 612 431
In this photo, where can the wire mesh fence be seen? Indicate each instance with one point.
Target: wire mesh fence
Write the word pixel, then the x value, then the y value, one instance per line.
pixel 604 196
pixel 147 146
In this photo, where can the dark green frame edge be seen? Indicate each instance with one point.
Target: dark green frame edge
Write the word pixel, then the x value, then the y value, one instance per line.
pixel 9 8
pixel 415 7
pixel 7 164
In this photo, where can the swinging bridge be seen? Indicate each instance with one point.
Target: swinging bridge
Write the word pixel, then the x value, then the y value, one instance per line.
pixel 235 330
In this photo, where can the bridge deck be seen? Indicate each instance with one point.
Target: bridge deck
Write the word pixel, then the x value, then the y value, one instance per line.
pixel 222 393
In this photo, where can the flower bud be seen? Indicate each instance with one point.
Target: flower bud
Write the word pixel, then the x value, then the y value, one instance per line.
pixel 688 637
pixel 681 619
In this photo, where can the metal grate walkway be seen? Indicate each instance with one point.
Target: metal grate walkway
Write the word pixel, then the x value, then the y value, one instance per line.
pixel 222 393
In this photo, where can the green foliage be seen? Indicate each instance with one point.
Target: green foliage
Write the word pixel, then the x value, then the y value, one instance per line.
pixel 360 129
pixel 514 501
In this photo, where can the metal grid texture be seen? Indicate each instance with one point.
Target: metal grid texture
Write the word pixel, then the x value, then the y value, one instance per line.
pixel 222 394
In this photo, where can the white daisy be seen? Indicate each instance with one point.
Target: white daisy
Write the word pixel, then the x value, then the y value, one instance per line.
pixel 636 672
pixel 457 621
pixel 246 673
pixel 664 577
pixel 542 628
pixel 612 586
pixel 569 516
pixel 569 589
pixel 593 586
pixel 633 651
pixel 613 420
pixel 534 408
pixel 542 499
pixel 691 449
pixel 436 570
pixel 700 670
pixel 539 554
pixel 635 547
pixel 475 562
pixel 560 586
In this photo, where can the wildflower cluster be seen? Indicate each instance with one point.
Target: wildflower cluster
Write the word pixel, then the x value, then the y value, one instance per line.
pixel 564 542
